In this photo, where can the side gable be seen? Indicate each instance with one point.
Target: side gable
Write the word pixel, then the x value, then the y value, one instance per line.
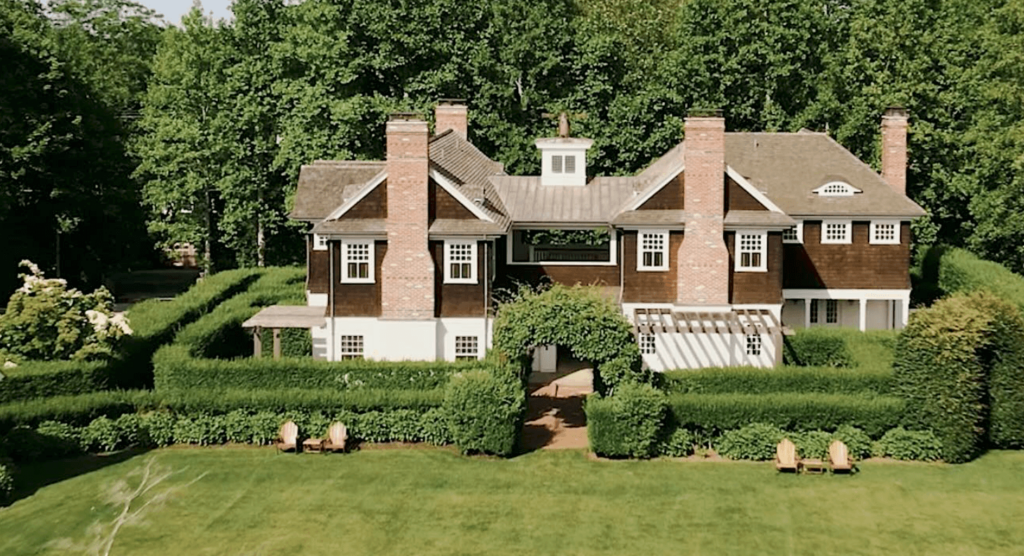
pixel 373 205
pixel 669 197
pixel 737 198
pixel 443 205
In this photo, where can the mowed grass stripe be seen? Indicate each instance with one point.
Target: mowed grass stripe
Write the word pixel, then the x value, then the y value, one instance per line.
pixel 254 501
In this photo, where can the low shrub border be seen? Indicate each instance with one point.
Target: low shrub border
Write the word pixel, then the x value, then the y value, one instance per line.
pixel 755 380
pixel 54 378
pixel 630 423
pixel 717 413
pixel 818 347
pixel 902 444
pixel 485 411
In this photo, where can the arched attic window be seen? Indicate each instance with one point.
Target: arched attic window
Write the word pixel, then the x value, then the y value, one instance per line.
pixel 836 189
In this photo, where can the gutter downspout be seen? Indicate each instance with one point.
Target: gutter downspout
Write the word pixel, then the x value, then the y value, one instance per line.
pixel 330 301
pixel 486 279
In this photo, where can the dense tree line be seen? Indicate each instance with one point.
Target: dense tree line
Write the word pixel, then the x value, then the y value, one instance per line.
pixel 230 110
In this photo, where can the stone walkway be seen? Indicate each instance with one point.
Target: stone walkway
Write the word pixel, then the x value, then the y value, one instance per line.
pixel 554 414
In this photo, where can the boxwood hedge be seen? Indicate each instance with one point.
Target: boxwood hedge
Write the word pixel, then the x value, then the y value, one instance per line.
pixel 755 380
pixel 629 423
pixel 818 347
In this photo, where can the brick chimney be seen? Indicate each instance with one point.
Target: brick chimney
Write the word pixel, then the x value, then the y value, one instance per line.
pixel 407 281
pixel 451 114
pixel 702 270
pixel 894 148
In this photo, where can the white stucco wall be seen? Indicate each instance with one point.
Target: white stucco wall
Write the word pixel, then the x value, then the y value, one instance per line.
pixel 404 340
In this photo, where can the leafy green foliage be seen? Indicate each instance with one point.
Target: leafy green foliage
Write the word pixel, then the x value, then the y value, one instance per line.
pixel 716 413
pixel 758 380
pixel 485 412
pixel 858 443
pixel 595 237
pixel 818 347
pixel 756 441
pixel 6 481
pixel 677 443
pixel 577 317
pixel 960 271
pixel 54 378
pixel 628 424
pixel 900 443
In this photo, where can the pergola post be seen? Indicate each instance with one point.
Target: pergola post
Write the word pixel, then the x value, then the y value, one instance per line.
pixel 277 343
pixel 257 342
pixel 863 315
pixel 807 313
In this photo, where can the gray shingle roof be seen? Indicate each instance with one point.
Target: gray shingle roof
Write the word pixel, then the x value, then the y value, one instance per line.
pixel 325 185
pixel 788 167
pixel 757 218
pixel 469 169
pixel 650 217
pixel 368 226
pixel 529 201
pixel 460 227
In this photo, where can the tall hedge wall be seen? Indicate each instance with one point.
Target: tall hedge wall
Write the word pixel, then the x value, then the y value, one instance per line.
pixel 754 380
pixel 959 366
pixel 961 271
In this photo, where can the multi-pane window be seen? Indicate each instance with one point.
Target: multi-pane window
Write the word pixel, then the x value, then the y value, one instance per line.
pixel 570 164
pixel 652 250
pixel 836 189
pixel 647 344
pixel 835 231
pixel 814 311
pixel 460 262
pixel 351 347
pixel 753 344
pixel 357 261
pixel 556 164
pixel 831 311
pixel 750 251
pixel 319 242
pixel 466 348
pixel 885 232
pixel 794 234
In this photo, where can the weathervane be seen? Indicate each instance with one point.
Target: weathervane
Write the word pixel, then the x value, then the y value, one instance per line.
pixel 563 121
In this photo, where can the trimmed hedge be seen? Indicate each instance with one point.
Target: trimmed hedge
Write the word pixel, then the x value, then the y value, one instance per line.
pixel 176 369
pixel 628 424
pixel 818 347
pixel 758 442
pixel 717 413
pixel 900 443
pixel 945 359
pixel 6 482
pixel 755 380
pixel 485 411
pixel 960 271
pixel 153 323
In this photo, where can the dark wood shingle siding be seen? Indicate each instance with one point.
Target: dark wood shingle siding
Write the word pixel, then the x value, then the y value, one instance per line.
pixel 443 205
pixel 756 287
pixel 669 197
pixel 458 300
pixel 358 300
pixel 374 205
pixel 737 198
pixel 643 286
pixel 859 265
pixel 317 271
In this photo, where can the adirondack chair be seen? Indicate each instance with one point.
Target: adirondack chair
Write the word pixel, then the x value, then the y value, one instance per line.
pixel 288 438
pixel 786 458
pixel 337 436
pixel 839 457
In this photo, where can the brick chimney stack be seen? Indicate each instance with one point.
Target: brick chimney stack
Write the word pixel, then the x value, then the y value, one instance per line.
pixel 894 148
pixel 407 281
pixel 702 270
pixel 451 114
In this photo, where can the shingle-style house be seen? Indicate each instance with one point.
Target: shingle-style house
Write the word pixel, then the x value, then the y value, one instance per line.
pixel 710 251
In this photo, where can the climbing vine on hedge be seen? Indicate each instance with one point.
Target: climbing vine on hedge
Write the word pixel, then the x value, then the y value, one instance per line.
pixel 579 318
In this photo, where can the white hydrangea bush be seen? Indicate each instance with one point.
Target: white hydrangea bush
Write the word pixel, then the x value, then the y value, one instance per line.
pixel 47 321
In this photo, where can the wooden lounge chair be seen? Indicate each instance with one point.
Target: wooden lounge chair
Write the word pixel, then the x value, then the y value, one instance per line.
pixel 337 437
pixel 786 458
pixel 287 439
pixel 839 457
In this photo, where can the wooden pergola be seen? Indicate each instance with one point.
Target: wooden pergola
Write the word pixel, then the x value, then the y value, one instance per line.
pixel 277 317
pixel 737 321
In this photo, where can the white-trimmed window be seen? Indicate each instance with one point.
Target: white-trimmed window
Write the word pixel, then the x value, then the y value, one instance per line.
pixel 351 347
pixel 570 164
pixel 885 232
pixel 794 234
pixel 752 251
pixel 836 189
pixel 467 348
pixel 319 242
pixel 652 250
pixel 836 231
pixel 460 262
pixel 357 261
pixel 831 311
pixel 556 164
pixel 647 344
pixel 753 344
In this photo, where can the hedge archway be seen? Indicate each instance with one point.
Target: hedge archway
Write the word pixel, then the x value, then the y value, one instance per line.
pixel 579 318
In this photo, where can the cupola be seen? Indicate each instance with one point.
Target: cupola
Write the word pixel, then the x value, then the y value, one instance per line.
pixel 563 158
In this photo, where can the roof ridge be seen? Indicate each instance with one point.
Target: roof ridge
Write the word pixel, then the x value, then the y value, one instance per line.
pixel 444 133
pixel 364 163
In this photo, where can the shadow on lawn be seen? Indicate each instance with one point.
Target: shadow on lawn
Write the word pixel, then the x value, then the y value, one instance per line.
pixel 32 476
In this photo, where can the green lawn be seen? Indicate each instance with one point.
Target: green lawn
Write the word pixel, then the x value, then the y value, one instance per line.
pixel 431 501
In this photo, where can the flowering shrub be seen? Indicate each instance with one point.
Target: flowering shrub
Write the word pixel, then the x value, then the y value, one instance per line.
pixel 47 321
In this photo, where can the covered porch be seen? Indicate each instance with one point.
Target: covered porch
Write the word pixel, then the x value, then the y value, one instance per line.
pixel 860 309
pixel 277 317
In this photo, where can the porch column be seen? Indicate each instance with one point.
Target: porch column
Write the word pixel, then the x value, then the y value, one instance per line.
pixel 277 343
pixel 807 313
pixel 257 342
pixel 904 311
pixel 863 314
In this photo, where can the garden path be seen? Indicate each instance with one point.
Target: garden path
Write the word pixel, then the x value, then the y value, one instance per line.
pixel 554 414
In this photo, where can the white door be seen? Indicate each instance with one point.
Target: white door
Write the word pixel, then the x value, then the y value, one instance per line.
pixel 545 359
